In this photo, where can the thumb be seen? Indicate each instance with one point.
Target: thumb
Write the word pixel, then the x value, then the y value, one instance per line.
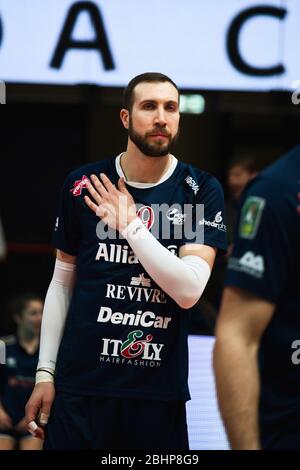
pixel 32 427
pixel 31 412
pixel 122 185
pixel 45 412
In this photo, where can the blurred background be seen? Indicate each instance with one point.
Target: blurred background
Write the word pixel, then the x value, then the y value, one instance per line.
pixel 65 64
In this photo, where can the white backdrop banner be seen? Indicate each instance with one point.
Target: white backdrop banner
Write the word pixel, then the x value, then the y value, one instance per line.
pixel 201 44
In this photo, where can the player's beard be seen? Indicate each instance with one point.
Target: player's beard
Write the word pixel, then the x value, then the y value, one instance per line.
pixel 152 149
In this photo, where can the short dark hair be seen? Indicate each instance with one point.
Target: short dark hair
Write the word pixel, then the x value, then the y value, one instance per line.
pixel 20 302
pixel 128 95
pixel 247 162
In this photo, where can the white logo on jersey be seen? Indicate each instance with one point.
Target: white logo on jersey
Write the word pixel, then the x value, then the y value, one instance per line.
pixel 218 217
pixel 116 254
pixel 249 263
pixel 253 262
pixel 11 362
pixel 175 217
pixel 216 223
pixel 136 350
pixel 113 253
pixel 140 280
pixel 192 183
pixel 136 294
pixel 145 319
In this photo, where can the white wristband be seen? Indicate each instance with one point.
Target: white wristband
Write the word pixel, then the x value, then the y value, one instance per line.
pixel 44 376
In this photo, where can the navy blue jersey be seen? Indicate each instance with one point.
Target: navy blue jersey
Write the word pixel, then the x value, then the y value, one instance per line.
pixel 17 378
pixel 266 262
pixel 124 336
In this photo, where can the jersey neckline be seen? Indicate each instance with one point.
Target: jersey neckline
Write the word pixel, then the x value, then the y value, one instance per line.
pixel 136 184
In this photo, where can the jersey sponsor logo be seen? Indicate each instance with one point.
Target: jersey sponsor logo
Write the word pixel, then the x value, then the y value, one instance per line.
pixel 145 319
pixel 140 280
pixel 175 216
pixel 192 183
pixel 116 254
pixel 250 217
pixel 139 291
pixel 126 352
pixel 113 253
pixel 11 362
pixel 79 185
pixel 249 263
pixel 146 214
pixel 56 224
pixel 216 223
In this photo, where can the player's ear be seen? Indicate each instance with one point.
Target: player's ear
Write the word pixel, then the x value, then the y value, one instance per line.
pixel 124 115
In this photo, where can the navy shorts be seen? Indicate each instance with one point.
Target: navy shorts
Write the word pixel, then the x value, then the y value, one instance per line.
pixel 86 422
pixel 13 434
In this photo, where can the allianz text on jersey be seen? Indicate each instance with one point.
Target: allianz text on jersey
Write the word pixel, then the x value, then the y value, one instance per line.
pixel 216 44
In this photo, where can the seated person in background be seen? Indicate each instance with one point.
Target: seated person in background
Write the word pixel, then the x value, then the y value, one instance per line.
pixel 241 170
pixel 18 374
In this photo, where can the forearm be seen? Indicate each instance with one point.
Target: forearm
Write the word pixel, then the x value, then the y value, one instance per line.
pixel 182 279
pixel 54 316
pixel 237 382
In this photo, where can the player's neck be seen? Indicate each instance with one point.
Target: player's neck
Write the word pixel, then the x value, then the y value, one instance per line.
pixel 29 341
pixel 143 169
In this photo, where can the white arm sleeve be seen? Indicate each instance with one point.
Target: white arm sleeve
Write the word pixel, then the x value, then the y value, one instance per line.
pixel 182 279
pixel 54 316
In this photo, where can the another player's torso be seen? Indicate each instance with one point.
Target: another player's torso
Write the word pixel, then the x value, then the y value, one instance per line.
pixel 19 378
pixel 280 345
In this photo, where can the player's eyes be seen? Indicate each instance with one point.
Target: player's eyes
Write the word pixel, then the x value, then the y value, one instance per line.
pixel 171 107
pixel 148 106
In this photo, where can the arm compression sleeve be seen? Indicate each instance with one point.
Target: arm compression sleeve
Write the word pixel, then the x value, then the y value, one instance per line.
pixel 182 279
pixel 54 316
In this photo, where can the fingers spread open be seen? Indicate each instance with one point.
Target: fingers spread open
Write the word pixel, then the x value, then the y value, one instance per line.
pixel 98 186
pixel 94 192
pixel 91 204
pixel 109 186
pixel 122 185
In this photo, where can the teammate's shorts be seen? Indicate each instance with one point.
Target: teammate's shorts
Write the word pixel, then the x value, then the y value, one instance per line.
pixel 85 422
pixel 13 434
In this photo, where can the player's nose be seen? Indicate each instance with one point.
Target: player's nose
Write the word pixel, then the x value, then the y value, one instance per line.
pixel 160 117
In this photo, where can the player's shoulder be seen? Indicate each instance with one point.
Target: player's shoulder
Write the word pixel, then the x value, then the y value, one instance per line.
pixel 279 181
pixel 198 180
pixel 9 340
pixel 84 172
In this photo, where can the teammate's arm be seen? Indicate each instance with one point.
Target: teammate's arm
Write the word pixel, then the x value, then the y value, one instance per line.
pixel 54 315
pixel 5 419
pixel 241 323
pixel 207 253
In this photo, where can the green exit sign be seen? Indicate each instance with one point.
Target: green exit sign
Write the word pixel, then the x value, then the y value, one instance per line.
pixel 192 104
